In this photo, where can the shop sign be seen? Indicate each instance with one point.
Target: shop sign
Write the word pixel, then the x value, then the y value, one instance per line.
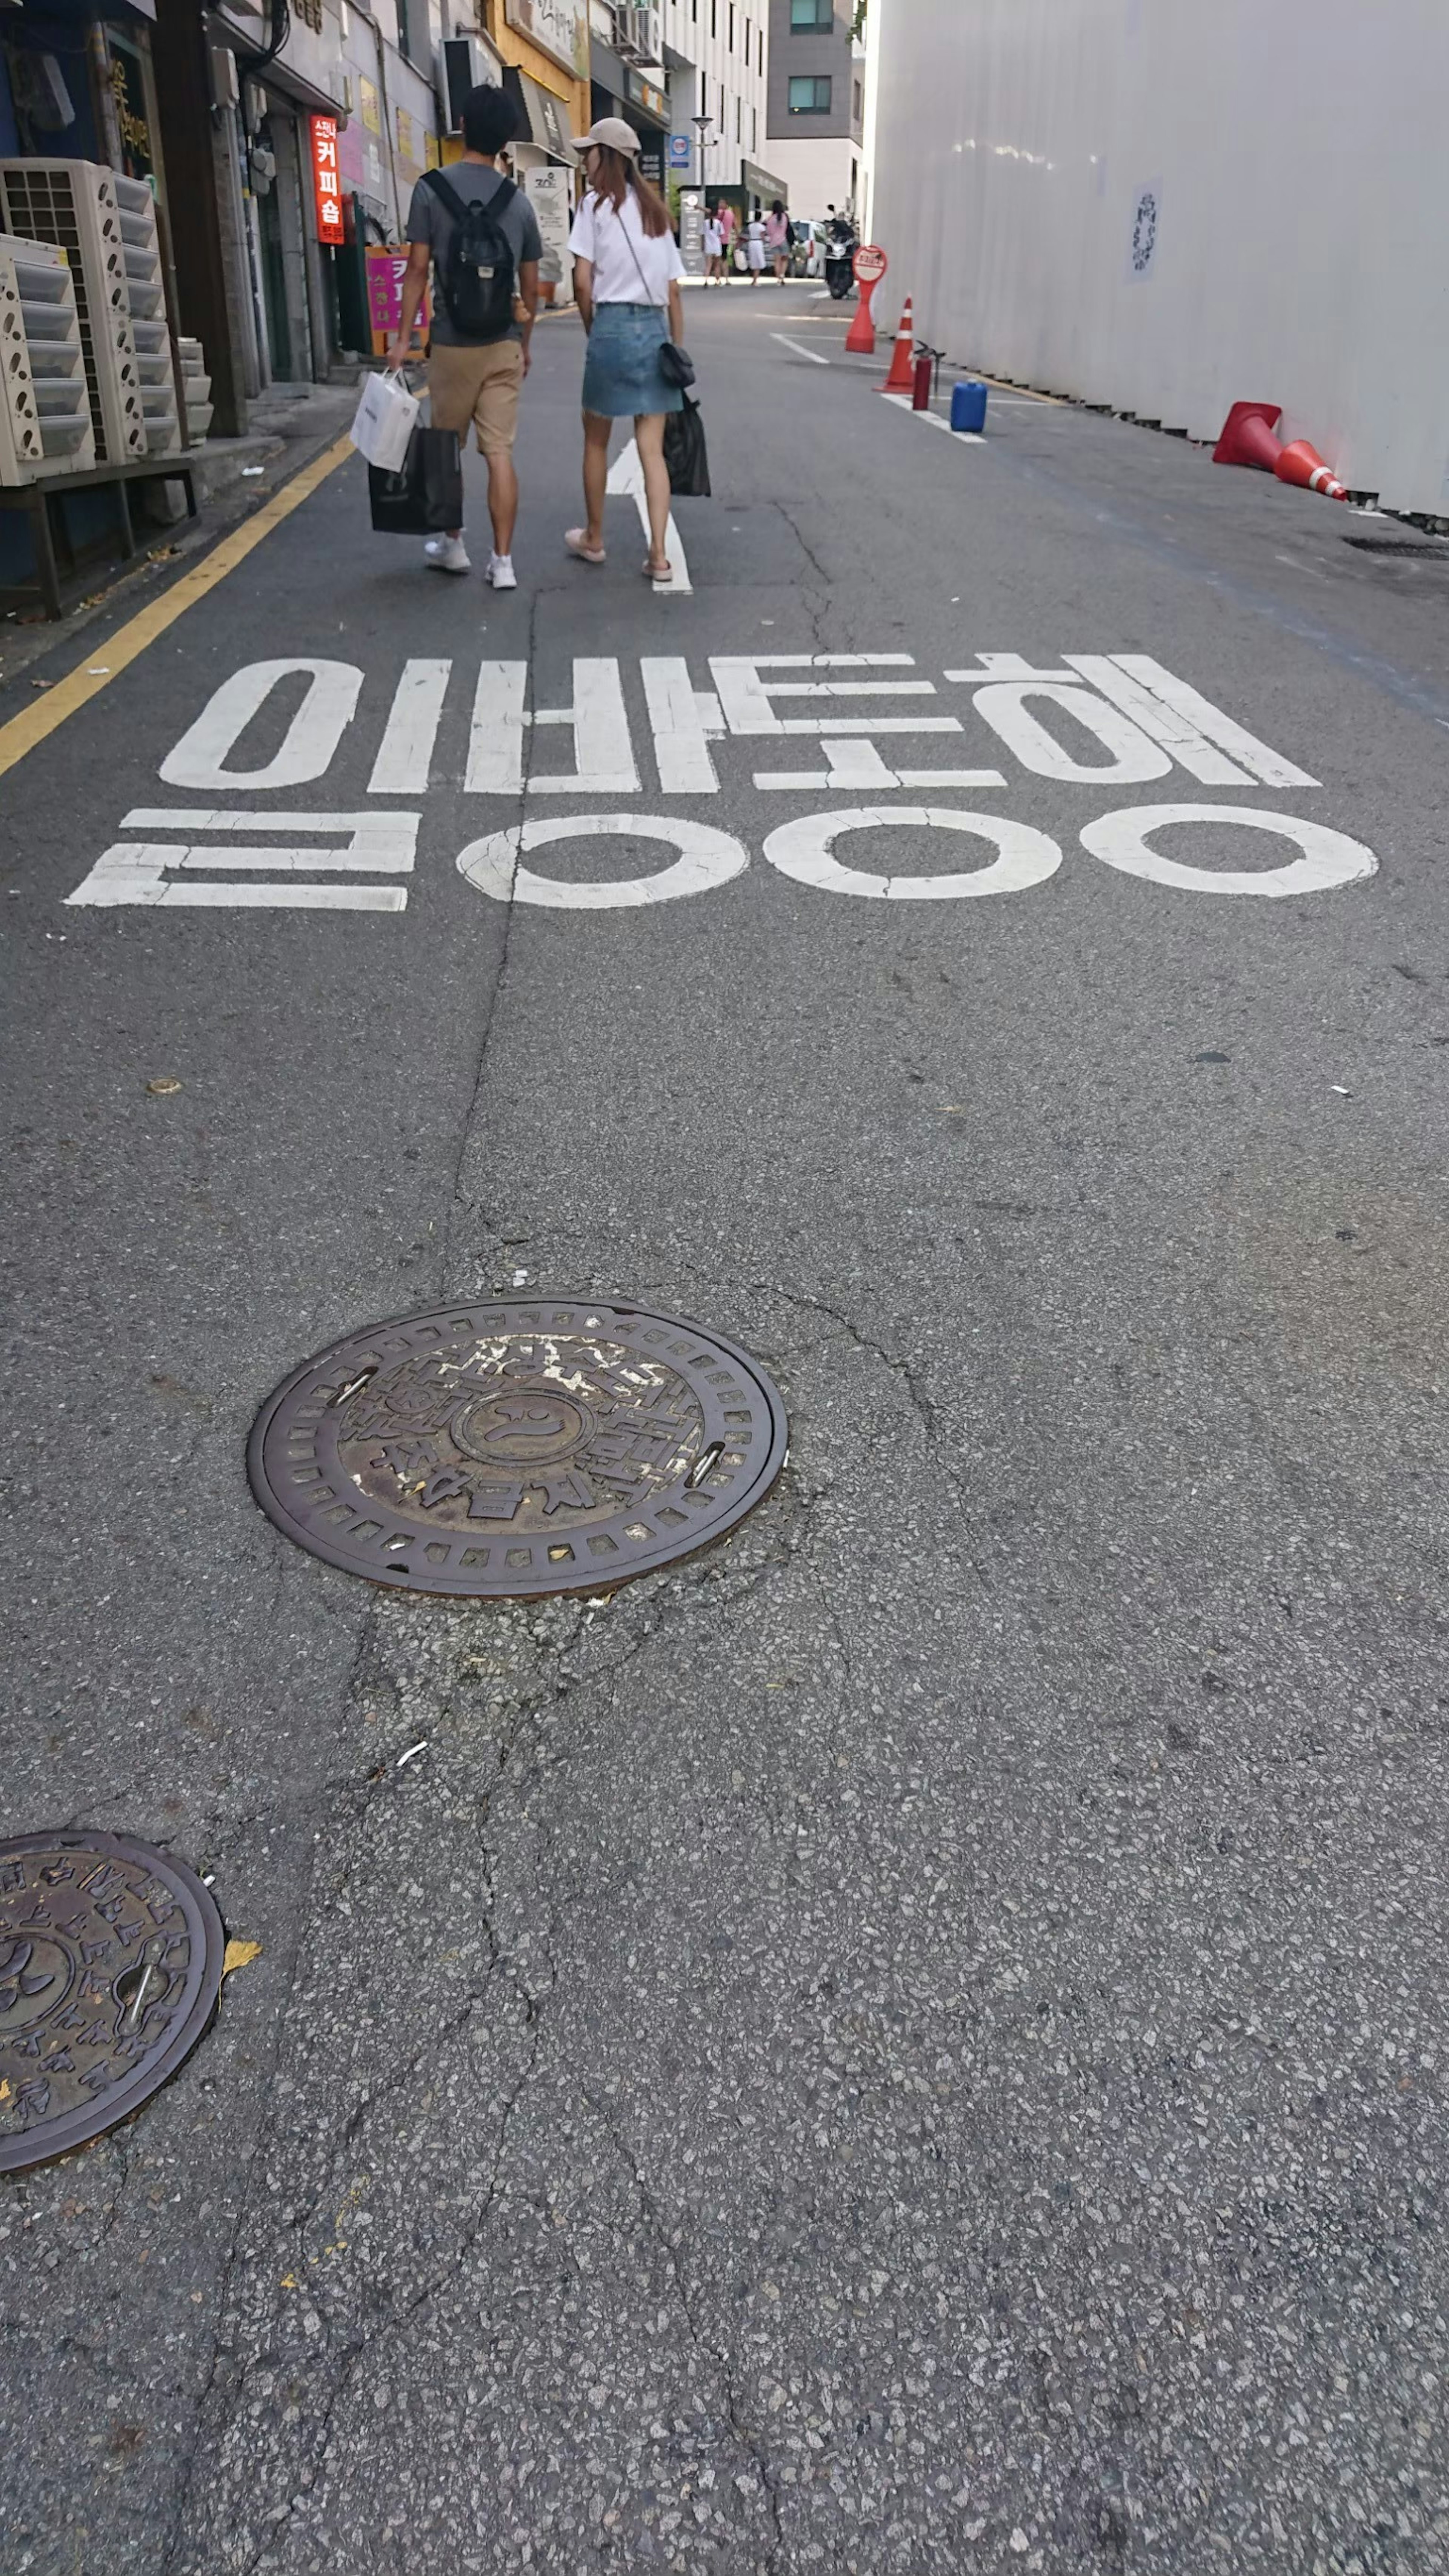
pixel 326 181
pixel 691 232
pixel 559 28
pixel 406 137
pixel 385 272
pixel 760 183
pixel 367 106
pixel 644 94
pixel 681 152
pixel 550 193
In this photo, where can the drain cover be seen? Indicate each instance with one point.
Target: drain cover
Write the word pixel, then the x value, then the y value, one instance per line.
pixel 508 1450
pixel 110 1963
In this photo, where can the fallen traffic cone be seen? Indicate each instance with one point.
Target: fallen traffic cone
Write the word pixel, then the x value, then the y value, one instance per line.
pixel 1299 463
pixel 1248 438
pixel 901 379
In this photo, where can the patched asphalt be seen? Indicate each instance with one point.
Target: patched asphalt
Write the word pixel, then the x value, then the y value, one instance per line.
pixel 913 2040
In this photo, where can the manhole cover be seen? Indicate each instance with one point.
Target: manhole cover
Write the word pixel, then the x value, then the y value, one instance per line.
pixel 110 1964
pixel 508 1450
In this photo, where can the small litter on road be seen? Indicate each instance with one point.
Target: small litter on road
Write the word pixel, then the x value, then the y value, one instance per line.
pixel 1343 1092
pixel 239 1954
pixel 97 670
pixel 163 1086
pixel 411 1754
pixel 249 470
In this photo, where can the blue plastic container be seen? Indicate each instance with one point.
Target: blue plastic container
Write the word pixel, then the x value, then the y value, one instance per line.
pixel 968 407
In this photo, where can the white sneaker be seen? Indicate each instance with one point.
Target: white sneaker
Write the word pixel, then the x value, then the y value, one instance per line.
pixel 501 572
pixel 447 554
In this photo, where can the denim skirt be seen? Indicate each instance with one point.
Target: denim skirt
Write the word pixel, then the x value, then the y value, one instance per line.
pixel 622 375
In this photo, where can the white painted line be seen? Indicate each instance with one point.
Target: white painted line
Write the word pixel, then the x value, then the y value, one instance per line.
pixel 405 755
pixel 683 720
pixel 812 354
pixel 962 437
pixel 132 872
pixel 626 478
pixel 495 742
pixel 603 751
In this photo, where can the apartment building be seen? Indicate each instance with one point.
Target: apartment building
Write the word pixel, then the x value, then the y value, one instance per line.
pixel 815 103
pixel 690 77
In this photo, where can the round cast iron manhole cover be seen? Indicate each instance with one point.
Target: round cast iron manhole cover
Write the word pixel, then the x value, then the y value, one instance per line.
pixel 511 1449
pixel 110 1965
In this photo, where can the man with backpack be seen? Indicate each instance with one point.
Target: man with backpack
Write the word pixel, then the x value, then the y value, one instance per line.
pixel 480 235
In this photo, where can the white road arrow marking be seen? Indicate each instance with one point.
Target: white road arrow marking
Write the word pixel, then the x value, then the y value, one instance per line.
pixel 626 478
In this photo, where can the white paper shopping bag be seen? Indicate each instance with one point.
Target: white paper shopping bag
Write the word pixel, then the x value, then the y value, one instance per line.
pixel 386 418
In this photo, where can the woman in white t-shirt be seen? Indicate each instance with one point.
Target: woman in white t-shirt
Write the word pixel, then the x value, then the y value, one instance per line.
pixel 755 248
pixel 714 267
pixel 627 270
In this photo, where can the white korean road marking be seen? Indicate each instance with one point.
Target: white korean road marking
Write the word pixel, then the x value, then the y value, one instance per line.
pixel 684 721
pixel 495 740
pixel 746 695
pixel 1327 858
pixel 134 871
pixel 307 748
pixel 626 476
pixel 1161 706
pixel 705 858
pixel 962 437
pixel 603 752
pixel 812 354
pixel 405 755
pixel 1133 758
pixel 857 763
pixel 806 850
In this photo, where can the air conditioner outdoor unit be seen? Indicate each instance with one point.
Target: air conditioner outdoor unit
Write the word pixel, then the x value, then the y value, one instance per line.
pixel 73 204
pixel 196 385
pixel 45 417
pixel 641 34
pixel 150 329
pixel 465 67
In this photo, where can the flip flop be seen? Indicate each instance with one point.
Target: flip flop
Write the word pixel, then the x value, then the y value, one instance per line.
pixel 650 574
pixel 574 539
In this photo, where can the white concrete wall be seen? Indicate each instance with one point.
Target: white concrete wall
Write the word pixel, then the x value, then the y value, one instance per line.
pixel 702 39
pixel 816 174
pixel 1298 161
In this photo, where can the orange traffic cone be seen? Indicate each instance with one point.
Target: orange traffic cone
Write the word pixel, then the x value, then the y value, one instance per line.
pixel 1248 438
pixel 1302 464
pixel 902 375
pixel 860 338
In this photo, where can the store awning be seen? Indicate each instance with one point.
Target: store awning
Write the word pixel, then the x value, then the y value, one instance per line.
pixel 548 125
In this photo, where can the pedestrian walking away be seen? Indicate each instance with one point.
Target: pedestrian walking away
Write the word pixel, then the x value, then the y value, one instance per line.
pixel 755 248
pixel 627 270
pixel 714 267
pixel 480 236
pixel 777 240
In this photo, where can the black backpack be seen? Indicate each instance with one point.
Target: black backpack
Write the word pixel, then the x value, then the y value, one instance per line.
pixel 477 277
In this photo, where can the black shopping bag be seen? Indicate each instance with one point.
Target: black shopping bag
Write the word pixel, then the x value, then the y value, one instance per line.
pixel 685 453
pixel 427 495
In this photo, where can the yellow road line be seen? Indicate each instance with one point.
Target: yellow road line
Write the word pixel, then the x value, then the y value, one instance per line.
pixel 23 732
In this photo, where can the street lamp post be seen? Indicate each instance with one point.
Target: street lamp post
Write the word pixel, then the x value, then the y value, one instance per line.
pixel 702 126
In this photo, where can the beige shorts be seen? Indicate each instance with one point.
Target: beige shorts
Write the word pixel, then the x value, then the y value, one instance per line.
pixel 477 385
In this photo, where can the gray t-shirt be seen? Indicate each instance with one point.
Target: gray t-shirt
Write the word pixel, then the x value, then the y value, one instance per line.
pixel 429 221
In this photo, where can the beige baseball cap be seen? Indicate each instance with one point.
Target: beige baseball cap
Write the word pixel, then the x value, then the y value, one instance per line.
pixel 610 131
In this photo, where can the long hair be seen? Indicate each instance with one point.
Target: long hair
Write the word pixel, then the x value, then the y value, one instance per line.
pixel 614 174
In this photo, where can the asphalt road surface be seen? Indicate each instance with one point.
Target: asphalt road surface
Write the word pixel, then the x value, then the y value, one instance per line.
pixel 916 2039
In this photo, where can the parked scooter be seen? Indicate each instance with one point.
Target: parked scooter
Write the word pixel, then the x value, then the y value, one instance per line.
pixel 841 244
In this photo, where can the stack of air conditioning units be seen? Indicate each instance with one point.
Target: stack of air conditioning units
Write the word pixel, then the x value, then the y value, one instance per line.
pixel 196 384
pixel 45 416
pixel 146 287
pixel 75 206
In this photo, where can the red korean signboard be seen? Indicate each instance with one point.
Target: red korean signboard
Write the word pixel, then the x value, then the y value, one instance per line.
pixel 326 181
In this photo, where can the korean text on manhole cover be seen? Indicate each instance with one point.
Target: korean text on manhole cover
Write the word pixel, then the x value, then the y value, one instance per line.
pixel 110 1963
pixel 513 1449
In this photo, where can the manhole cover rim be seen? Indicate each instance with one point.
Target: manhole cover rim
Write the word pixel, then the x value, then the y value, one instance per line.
pixel 579 1578
pixel 23 2150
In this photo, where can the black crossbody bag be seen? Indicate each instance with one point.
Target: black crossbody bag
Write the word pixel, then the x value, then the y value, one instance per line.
pixel 675 364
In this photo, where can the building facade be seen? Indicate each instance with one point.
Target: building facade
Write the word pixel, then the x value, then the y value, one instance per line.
pixel 815 122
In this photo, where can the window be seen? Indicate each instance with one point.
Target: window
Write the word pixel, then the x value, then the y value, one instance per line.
pixel 739 120
pixel 811 13
pixel 857 101
pixel 762 53
pixel 809 96
pixel 732 26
